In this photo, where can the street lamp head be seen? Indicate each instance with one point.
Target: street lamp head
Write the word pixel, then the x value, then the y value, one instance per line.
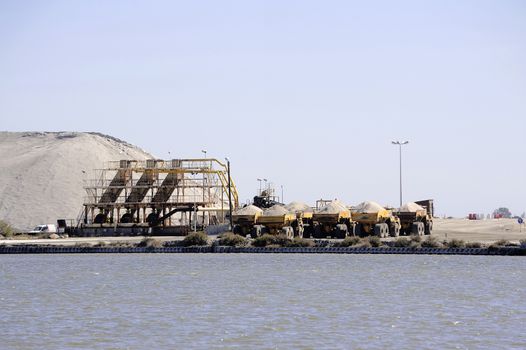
pixel 395 142
pixel 405 142
pixel 228 160
pixel 259 180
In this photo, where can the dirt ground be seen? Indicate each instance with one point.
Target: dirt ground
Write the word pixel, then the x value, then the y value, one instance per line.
pixel 484 231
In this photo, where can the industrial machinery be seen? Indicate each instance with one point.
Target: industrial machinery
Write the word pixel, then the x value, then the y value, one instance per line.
pixel 278 220
pixel 373 219
pixel 245 219
pixel 154 196
pixel 416 218
pixel 332 220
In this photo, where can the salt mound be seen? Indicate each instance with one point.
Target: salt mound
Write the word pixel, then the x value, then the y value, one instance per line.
pixel 275 210
pixel 333 207
pixel 411 207
pixel 368 207
pixel 296 207
pixel 42 173
pixel 248 210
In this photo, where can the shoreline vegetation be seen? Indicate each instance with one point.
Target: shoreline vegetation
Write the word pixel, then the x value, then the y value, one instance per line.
pixel 232 243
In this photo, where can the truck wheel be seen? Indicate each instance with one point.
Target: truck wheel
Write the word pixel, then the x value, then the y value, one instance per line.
pixel 238 230
pixel 256 231
pixel 418 228
pixel 358 230
pixel 307 231
pixel 378 230
pixel 415 228
pixel 299 231
pixel 317 231
pixel 341 231
pixel 288 232
pixel 385 230
pixel 394 230
pixel 429 227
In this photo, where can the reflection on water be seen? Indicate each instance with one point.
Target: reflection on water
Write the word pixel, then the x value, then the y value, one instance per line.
pixel 176 301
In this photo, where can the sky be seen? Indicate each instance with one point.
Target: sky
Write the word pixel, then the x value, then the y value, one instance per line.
pixel 307 94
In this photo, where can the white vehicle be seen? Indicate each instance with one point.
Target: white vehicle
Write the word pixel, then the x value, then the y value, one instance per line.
pixel 49 228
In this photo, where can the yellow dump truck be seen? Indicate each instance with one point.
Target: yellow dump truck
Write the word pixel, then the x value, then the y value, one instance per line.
pixel 303 225
pixel 278 220
pixel 373 219
pixel 416 217
pixel 245 219
pixel 332 220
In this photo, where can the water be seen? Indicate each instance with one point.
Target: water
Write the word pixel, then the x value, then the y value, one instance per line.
pixel 201 301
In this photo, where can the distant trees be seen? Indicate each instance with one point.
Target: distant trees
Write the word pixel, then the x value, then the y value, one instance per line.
pixel 502 212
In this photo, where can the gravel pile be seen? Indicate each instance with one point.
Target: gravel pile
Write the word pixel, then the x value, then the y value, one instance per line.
pixel 248 210
pixel 410 207
pixel 275 210
pixel 333 207
pixel 298 207
pixel 368 207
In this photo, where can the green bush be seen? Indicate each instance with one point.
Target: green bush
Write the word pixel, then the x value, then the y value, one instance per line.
pixel 5 229
pixel 374 241
pixel 349 242
pixel 415 245
pixel 500 243
pixel 416 238
pixel 150 243
pixel 431 242
pixel 271 240
pixel 402 242
pixel 473 245
pixel 232 240
pixel 300 242
pixel 195 239
pixel 456 243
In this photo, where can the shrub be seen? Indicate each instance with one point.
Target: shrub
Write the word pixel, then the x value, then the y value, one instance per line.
pixel 473 245
pixel 5 229
pixel 456 243
pixel 414 245
pixel 195 239
pixel 268 240
pixel 431 242
pixel 364 243
pixel 416 238
pixel 232 240
pixel 500 243
pixel 349 242
pixel 150 243
pixel 402 242
pixel 374 241
pixel 300 242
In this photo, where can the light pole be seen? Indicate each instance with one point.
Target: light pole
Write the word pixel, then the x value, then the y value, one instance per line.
pixel 400 144
pixel 259 180
pixel 229 193
pixel 204 151
pixel 282 200
pixel 204 186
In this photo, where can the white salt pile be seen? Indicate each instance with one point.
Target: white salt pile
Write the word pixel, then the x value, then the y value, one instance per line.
pixel 298 207
pixel 275 210
pixel 333 207
pixel 368 207
pixel 410 207
pixel 248 210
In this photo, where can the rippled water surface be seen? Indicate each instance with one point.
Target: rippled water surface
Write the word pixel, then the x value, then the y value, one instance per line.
pixel 182 301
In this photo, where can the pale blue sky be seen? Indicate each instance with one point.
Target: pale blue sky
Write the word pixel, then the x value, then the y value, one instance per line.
pixel 308 94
